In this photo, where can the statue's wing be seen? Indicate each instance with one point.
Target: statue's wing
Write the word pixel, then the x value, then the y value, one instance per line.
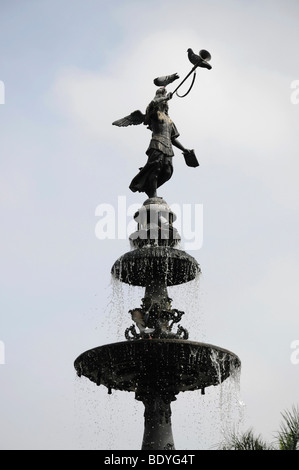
pixel 135 118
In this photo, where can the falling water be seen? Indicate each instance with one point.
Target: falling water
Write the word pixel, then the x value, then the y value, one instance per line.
pixel 105 421
pixel 187 297
pixel 204 422
pixel 230 406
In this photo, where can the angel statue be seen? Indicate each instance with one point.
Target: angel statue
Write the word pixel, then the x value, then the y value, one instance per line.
pixel 158 168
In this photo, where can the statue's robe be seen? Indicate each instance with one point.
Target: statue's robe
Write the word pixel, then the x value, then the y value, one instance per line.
pixel 159 152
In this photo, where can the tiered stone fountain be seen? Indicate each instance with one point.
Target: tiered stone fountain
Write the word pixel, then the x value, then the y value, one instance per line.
pixel 156 362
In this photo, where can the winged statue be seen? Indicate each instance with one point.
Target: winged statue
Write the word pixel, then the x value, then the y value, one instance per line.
pixel 158 168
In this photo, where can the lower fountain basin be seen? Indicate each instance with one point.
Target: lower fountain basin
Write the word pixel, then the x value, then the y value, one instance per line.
pixel 141 266
pixel 163 364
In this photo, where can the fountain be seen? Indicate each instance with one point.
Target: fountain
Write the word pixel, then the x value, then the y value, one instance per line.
pixel 157 361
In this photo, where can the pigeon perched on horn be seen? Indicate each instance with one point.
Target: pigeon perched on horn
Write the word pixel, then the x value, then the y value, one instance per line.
pixel 200 60
pixel 166 79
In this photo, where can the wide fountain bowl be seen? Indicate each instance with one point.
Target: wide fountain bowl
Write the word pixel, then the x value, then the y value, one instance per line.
pixel 172 365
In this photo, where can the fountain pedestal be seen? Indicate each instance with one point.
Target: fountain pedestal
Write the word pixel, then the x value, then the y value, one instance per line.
pixel 157 421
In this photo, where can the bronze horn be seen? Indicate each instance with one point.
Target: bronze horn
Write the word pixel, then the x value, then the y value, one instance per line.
pixel 202 60
pixel 205 55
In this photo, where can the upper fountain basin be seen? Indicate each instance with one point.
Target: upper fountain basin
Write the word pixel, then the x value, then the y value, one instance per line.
pixel 143 266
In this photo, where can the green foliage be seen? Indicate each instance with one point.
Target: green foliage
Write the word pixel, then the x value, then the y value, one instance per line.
pixel 287 436
pixel 247 441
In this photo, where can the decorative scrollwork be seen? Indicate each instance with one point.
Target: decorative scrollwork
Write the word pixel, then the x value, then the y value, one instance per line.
pixel 133 332
pixel 155 322
pixel 182 333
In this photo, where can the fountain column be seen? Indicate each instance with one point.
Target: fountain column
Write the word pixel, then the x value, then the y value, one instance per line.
pixel 157 422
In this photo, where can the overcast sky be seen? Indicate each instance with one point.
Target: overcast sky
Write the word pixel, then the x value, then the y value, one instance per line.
pixel 70 68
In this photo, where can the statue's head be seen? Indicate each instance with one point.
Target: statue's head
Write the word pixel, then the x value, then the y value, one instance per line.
pixel 160 92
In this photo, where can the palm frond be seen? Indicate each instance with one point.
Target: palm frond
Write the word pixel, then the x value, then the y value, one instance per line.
pixel 288 434
pixel 245 441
